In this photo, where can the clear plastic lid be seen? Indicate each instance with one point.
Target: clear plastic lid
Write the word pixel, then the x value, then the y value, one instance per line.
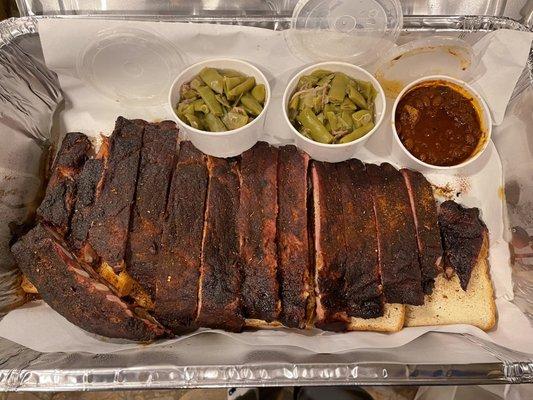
pixel 130 65
pixel 435 55
pixel 355 31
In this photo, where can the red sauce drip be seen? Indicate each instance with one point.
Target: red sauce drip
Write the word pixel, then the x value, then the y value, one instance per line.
pixel 438 125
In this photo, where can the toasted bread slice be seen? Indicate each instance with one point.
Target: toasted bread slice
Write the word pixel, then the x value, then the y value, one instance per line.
pixel 391 321
pixel 450 304
pixel 261 324
pixel 125 285
pixel 27 286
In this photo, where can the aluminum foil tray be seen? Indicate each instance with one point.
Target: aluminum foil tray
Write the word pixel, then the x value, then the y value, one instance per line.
pixel 29 95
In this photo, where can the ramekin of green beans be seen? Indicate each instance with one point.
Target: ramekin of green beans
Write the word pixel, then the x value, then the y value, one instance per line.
pixel 221 104
pixel 332 108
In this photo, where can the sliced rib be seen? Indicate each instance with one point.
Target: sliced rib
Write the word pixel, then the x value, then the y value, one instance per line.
pixel 111 213
pixel 89 188
pixel 257 232
pixel 178 270
pixel 76 292
pixel 398 250
pixel 330 248
pixel 219 300
pixel 58 203
pixel 362 280
pixel 155 173
pixel 424 210
pixel 462 234
pixel 293 245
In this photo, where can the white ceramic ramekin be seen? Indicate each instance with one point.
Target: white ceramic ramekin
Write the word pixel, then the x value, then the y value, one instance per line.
pixel 335 152
pixel 229 143
pixel 478 102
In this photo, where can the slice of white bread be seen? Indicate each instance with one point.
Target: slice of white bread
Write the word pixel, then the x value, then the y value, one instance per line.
pixel 391 321
pixel 261 324
pixel 450 304
pixel 27 286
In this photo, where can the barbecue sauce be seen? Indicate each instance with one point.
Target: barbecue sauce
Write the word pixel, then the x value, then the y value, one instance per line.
pixel 438 124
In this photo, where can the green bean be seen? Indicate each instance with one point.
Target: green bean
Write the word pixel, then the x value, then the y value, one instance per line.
pixel 373 94
pixel 304 131
pixel 246 110
pixel 196 83
pixel 361 117
pixel 293 113
pixel 208 96
pixel 182 117
pixel 332 107
pixel 180 109
pixel 332 120
pixel 348 105
pixel 231 82
pixel 346 117
pixel 363 87
pixel 325 80
pixel 231 73
pixel 234 120
pixel 200 106
pixel 194 121
pixel 188 93
pixel 259 93
pixel 320 73
pixel 249 101
pixel 213 79
pixel 340 124
pixel 307 100
pixel 317 130
pixel 371 108
pixel 306 82
pixel 357 133
pixel 199 118
pixel 214 124
pixel 318 103
pixel 356 97
pixel 188 108
pixel 338 88
pixel 247 85
pixel 294 102
pixel 237 100
pixel 222 100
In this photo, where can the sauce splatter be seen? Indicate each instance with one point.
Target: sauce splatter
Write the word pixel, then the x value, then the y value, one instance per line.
pixel 501 193
pixel 446 192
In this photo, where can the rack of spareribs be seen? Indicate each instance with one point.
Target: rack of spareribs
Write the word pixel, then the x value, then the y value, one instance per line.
pixel 149 237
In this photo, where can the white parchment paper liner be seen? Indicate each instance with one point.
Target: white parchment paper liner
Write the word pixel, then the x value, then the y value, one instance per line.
pixel 88 111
